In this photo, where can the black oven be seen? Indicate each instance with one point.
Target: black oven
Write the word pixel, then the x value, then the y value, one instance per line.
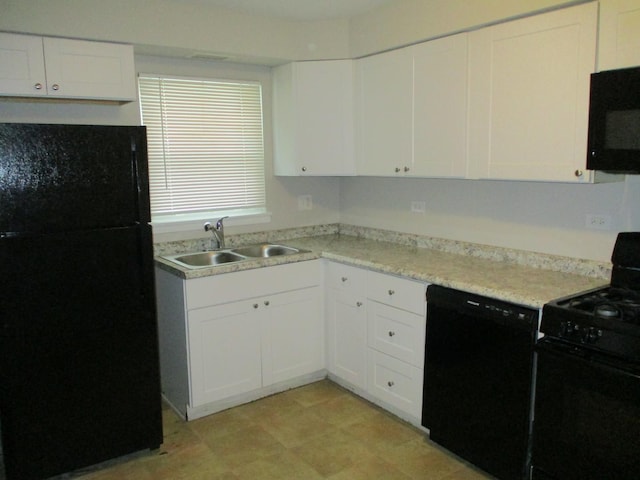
pixel 587 415
pixel 614 121
pixel 586 419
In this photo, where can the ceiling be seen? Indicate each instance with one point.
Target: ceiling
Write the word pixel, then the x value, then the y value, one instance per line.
pixel 299 9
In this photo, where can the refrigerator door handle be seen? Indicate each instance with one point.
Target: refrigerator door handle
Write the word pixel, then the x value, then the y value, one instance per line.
pixel 136 177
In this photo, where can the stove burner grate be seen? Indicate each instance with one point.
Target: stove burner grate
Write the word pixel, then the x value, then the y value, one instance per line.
pixel 610 303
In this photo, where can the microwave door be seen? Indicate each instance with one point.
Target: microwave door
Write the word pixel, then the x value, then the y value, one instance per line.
pixel 614 121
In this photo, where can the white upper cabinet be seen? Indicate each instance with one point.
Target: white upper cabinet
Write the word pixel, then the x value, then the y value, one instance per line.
pixel 22 65
pixel 384 106
pixel 619 40
pixel 32 66
pixel 440 80
pixel 529 96
pixel 313 118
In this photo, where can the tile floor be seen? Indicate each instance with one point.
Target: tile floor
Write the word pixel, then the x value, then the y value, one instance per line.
pixel 319 431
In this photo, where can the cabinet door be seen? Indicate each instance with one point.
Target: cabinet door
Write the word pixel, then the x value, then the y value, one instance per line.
pixel 619 38
pixel 91 70
pixel 22 65
pixel 384 113
pixel 347 337
pixel 529 96
pixel 313 118
pixel 440 107
pixel 293 335
pixel 224 351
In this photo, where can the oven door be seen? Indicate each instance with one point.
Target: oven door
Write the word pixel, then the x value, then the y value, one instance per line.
pixel 586 417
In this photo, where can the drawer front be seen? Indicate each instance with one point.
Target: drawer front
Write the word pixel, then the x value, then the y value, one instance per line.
pixel 396 332
pixel 346 278
pixel 397 292
pixel 231 287
pixel 395 382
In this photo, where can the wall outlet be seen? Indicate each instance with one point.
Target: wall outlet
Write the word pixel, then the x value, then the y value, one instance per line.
pixel 418 207
pixel 598 222
pixel 305 202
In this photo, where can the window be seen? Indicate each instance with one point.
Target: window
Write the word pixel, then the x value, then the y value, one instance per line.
pixel 205 144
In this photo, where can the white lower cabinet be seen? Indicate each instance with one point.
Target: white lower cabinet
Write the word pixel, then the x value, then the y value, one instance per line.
pixel 346 323
pixel 224 352
pixel 396 328
pixel 376 335
pixel 292 335
pixel 231 338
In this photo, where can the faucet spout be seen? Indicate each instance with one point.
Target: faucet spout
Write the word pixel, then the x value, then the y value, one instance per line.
pixel 217 240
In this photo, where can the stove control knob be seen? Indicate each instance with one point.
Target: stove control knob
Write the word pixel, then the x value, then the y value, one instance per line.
pixel 592 335
pixel 565 328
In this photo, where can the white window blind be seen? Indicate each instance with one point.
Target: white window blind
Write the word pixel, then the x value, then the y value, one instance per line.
pixel 205 144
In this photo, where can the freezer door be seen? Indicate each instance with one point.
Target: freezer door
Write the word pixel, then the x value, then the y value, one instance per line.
pixel 72 177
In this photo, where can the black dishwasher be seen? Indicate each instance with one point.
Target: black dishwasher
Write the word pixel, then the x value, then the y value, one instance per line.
pixel 478 379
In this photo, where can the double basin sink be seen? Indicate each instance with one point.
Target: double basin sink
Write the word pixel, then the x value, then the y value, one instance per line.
pixel 224 257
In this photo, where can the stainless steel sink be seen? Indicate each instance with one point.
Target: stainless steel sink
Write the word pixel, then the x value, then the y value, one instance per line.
pixel 206 259
pixel 265 250
pixel 224 257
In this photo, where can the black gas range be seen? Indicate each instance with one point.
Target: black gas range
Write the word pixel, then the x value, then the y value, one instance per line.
pixel 586 423
pixel 606 319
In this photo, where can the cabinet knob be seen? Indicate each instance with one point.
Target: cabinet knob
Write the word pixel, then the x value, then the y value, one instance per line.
pixel 406 169
pixel 38 86
pixel 391 333
pixel 390 383
pixel 358 304
pixel 304 169
pixel 266 302
pixel 397 169
pixel 255 305
pixel 55 87
pixel 578 173
pixel 344 279
pixel 392 292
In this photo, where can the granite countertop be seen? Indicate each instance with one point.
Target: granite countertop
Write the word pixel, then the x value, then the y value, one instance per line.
pixel 521 284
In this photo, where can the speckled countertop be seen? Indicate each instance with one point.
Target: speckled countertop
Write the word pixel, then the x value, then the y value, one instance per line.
pixel 507 280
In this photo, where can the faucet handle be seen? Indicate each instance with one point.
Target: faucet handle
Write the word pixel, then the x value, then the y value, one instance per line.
pixel 207 226
pixel 219 224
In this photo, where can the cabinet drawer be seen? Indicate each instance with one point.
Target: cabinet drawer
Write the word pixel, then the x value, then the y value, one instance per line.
pixel 395 382
pixel 230 287
pixel 397 292
pixel 396 332
pixel 346 278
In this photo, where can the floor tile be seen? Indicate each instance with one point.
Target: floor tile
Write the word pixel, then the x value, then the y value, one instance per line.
pixel 319 431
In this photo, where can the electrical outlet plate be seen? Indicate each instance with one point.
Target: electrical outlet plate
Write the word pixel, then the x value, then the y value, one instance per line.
pixel 598 222
pixel 418 207
pixel 305 202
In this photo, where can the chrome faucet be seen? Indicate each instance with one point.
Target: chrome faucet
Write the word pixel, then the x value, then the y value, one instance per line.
pixel 217 232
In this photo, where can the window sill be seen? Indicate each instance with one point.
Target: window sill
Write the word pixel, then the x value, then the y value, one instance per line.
pixel 185 223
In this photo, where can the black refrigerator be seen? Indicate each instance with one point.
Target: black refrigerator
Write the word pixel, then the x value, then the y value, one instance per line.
pixel 79 368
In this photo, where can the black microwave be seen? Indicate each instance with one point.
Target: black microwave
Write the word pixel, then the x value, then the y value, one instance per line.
pixel 614 121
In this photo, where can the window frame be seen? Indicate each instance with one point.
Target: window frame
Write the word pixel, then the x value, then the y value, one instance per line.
pixel 181 222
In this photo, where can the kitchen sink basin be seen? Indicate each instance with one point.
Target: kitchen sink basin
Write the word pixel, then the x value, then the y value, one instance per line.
pixel 206 259
pixel 223 257
pixel 265 250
